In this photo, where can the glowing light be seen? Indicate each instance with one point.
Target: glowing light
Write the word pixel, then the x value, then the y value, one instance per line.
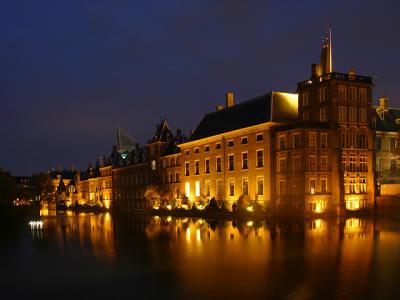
pixel 156 207
pixel 188 234
pixel 200 207
pixel 156 217
pixel 169 219
pixel 249 208
pixel 169 206
pixel 198 234
pixel 249 224
pixel 107 204
pixel 197 188
pixel 185 206
pixel 187 189
pixel 36 224
pixel 312 190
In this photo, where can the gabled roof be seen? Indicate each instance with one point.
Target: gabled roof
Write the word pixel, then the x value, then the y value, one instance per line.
pixel 388 122
pixel 163 133
pixel 271 107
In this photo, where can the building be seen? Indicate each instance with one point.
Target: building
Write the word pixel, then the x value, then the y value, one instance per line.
pixel 386 121
pixel 228 156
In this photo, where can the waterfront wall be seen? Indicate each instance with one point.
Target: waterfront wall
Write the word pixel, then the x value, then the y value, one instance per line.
pixel 390 189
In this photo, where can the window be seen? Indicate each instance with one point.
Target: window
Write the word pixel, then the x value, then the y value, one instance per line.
pixel 219 164
pixel 296 187
pixel 363 164
pixel 342 93
pixel 187 152
pixel 219 187
pixel 296 140
pixel 260 158
pixel 282 187
pixel 207 166
pixel 187 173
pixel 177 179
pixel 352 164
pixel 352 185
pixel 313 183
pixel 196 150
pixel 392 144
pixel 322 114
pixel 352 93
pixel 362 140
pixel 362 115
pixel 352 114
pixel 244 140
pixel 230 143
pixel 245 160
pixel 171 177
pixel 353 138
pixel 208 188
pixel 343 163
pixel 324 185
pixel 296 163
pixel 259 137
pixel 282 142
pixel 321 94
pixel 260 185
pixel 324 140
pixel 312 139
pixel 378 145
pixel 231 162
pixel 362 92
pixel 324 161
pixel 153 165
pixel 312 163
pixel 218 146
pixel 343 137
pixel 363 185
pixel 245 186
pixel 342 113
pixel 197 188
pixel 196 167
pixel 187 189
pixel 207 148
pixel 282 165
pixel 306 98
pixel 231 187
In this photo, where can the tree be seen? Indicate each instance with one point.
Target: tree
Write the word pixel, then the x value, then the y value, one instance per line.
pixel 8 189
pixel 42 186
pixel 153 195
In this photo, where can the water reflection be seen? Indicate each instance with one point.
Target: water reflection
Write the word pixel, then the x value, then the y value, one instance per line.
pixel 319 258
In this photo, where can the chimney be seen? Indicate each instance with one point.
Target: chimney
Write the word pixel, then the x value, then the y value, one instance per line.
pixel 314 70
pixel 383 102
pixel 230 101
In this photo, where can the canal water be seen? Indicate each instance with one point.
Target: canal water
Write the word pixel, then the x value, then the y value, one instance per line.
pixel 118 256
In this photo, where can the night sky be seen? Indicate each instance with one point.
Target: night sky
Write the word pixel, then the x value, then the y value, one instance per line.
pixel 73 70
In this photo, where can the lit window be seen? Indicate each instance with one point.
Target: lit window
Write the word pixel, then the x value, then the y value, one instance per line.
pixel 187 189
pixel 197 188
pixel 260 185
pixel 313 184
pixel 153 165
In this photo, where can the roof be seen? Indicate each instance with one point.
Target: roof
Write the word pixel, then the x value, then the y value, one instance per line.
pixel 388 123
pixel 163 133
pixel 271 107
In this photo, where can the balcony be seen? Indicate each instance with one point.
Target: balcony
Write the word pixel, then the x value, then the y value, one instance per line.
pixel 335 76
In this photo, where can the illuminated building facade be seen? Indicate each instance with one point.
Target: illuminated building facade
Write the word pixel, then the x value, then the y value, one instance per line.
pixel 228 156
pixel 386 121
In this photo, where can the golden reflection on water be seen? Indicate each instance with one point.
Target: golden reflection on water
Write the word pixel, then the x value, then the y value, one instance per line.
pixel 292 259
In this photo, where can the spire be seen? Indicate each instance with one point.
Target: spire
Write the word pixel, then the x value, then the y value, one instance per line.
pixel 325 64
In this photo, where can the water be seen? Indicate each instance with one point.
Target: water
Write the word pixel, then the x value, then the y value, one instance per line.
pixel 103 256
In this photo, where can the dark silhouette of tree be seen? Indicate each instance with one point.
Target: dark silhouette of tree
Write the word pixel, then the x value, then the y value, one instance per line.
pixel 42 186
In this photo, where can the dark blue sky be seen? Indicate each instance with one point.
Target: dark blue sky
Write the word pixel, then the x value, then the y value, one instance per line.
pixel 72 71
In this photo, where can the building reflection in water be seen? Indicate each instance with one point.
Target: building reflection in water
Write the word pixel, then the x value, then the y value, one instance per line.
pixel 286 259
